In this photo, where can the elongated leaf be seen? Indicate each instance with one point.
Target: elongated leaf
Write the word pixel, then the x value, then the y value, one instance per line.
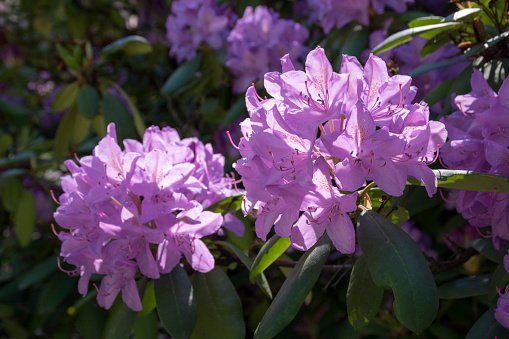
pixel 487 327
pixel 465 287
pixel 425 21
pixel 437 42
pixel 149 299
pixel 466 14
pixel 486 248
pixel 88 102
pixel 91 320
pixel 296 287
pixel 407 34
pixel 175 301
pixel 24 219
pixel 65 97
pixel 80 129
pixel 55 292
pixel 115 111
pixel 461 85
pixel 260 279
pixel 181 75
pixel 63 136
pixel 396 262
pixel 468 181
pixel 269 252
pixel 363 297
pixel 38 273
pixel 438 93
pixel 500 279
pixel 145 326
pixel 481 47
pixel 12 190
pixel 131 45
pixel 138 121
pixel 69 60
pixel 237 110
pixel 430 67
pixel 219 311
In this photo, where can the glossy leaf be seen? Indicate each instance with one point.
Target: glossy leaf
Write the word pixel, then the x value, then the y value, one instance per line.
pixel 468 181
pixel 181 76
pixel 407 34
pixel 466 14
pixel 425 21
pixel 269 252
pixel 483 46
pixel 487 327
pixel 296 287
pixel 219 310
pixel 465 287
pixel 65 97
pixel 176 305
pixel 115 111
pixel 396 262
pixel 131 45
pixel 363 297
pixel 24 219
pixel 88 102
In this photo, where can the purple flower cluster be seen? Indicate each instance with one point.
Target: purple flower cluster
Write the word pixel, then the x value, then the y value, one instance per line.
pixel 479 140
pixel 368 130
pixel 194 22
pixel 258 41
pixel 140 208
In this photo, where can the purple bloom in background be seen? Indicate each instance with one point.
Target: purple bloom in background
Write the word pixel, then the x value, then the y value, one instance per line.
pixel 257 43
pixel 337 13
pixel 193 22
pixel 121 206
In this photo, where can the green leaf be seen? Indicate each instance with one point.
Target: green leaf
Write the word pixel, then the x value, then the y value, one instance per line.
pixel 425 21
pixel 145 326
pixel 5 142
pixel 219 310
pixel 465 287
pixel 465 15
pixel 437 42
pixel 487 327
pixel 80 129
pixel 149 299
pixel 396 262
pixel 175 301
pixel 363 297
pixel 63 135
pixel 468 181
pixel 12 190
pixel 269 252
pixel 138 121
pixel 115 111
pixel 91 320
pixel 407 34
pixel 88 102
pixel 500 278
pixel 356 41
pixel 237 110
pixel 181 76
pixel 13 109
pixel 24 219
pixel 296 287
pixel 398 216
pixel 461 85
pixel 260 279
pixel 130 45
pixel 430 67
pixel 40 272
pixel 54 292
pixel 65 97
pixel 438 93
pixel 227 205
pixel 486 248
pixel 69 60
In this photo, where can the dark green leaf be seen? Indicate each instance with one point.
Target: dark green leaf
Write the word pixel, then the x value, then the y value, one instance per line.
pixel 356 41
pixel 80 129
pixel 24 219
pixel 296 287
pixel 437 42
pixel 5 142
pixel 115 111
pixel 69 60
pixel 175 301
pixel 63 136
pixel 219 310
pixel 12 190
pixel 227 205
pixel 13 109
pixel 91 320
pixel 181 76
pixel 466 15
pixel 465 287
pixel 55 291
pixel 407 34
pixel 499 279
pixel 486 248
pixel 40 272
pixel 65 97
pixel 468 181
pixel 425 21
pixel 269 252
pixel 145 326
pixel 483 46
pixel 138 121
pixel 438 93
pixel 396 262
pixel 363 297
pixel 461 85
pixel 487 327
pixel 237 110
pixel 6 310
pixel 88 102
pixel 430 67
pixel 131 45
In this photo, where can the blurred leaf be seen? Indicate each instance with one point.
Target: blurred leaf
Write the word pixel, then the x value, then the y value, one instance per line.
pixel 461 85
pixel 483 46
pixel 130 45
pixel 91 320
pixel 468 181
pixel 425 21
pixel 6 310
pixel 99 126
pixel 63 135
pixel 12 190
pixel 499 279
pixel 430 67
pixel 219 310
pixel 54 292
pixel 69 60
pixel 115 111
pixel 88 102
pixel 486 248
pixel 12 108
pixel 138 121
pixel 363 297
pixel 14 329
pixel 149 299
pixel 438 42
pixel 269 252
pixel 65 97
pixel 5 142
pixel 438 93
pixel 465 15
pixel 237 111
pixel 465 287
pixel 227 205
pixel 80 129
pixel 487 327
pixel 175 301
pixel 260 279
pixel 181 76
pixel 24 219
pixel 356 41
pixel 296 287
pixel 145 326
pixel 407 34
pixel 396 262
pixel 38 273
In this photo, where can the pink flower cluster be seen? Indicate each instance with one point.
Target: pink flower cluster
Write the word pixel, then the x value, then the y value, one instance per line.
pixel 140 208
pixel 321 137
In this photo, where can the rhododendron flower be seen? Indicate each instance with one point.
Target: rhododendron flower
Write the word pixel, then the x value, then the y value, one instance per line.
pixel 122 206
